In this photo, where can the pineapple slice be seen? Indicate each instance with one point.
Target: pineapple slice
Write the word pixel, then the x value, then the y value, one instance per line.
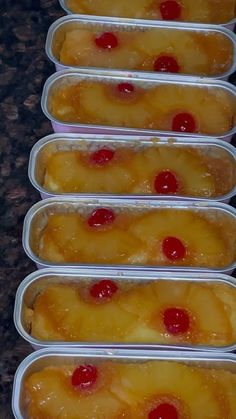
pixel 122 8
pixel 136 384
pixel 209 322
pixel 192 173
pixel 69 172
pixel 103 105
pixel 228 296
pixel 79 49
pixel 110 245
pixel 226 381
pixel 48 249
pixel 50 395
pixel 212 110
pixel 204 243
pixel 61 313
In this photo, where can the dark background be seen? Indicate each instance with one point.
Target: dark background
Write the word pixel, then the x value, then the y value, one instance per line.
pixel 23 28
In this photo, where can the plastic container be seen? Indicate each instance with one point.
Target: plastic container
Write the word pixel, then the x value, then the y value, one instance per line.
pixel 46 357
pixel 36 220
pixel 59 28
pixel 144 80
pixel 230 24
pixel 39 280
pixel 223 152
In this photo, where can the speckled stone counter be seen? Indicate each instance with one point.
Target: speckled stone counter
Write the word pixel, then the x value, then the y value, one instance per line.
pixel 23 27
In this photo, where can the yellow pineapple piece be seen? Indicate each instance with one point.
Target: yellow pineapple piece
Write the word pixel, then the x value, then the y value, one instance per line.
pixel 191 172
pixel 122 8
pixel 103 105
pixel 228 297
pixel 204 243
pixel 212 110
pixel 50 394
pixel 136 383
pixel 226 381
pixel 61 313
pixel 69 172
pixel 48 249
pixel 110 245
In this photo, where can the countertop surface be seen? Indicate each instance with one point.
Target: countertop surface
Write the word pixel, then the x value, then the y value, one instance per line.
pixel 23 30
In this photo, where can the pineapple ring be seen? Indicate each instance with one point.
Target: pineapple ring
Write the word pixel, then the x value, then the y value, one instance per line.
pixel 103 107
pixel 61 310
pixel 55 397
pixel 196 183
pixel 215 327
pixel 166 378
pixel 67 172
pixel 79 49
pixel 204 244
pixel 122 8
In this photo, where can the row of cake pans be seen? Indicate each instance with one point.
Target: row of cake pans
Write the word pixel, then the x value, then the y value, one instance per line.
pixel 66 356
pixel 63 26
pixel 65 6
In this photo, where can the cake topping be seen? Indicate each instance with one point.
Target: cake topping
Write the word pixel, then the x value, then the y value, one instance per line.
pixel 173 248
pixel 103 289
pixel 125 88
pixel 102 156
pixel 101 217
pixel 166 64
pixel 176 320
pixel 164 411
pixel 166 183
pixel 84 377
pixel 170 10
pixel 184 122
pixel 107 40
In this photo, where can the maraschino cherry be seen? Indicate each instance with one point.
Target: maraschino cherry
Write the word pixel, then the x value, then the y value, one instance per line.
pixel 84 377
pixel 164 411
pixel 125 88
pixel 184 122
pixel 176 320
pixel 166 64
pixel 103 289
pixel 107 40
pixel 166 183
pixel 173 248
pixel 101 217
pixel 170 10
pixel 102 157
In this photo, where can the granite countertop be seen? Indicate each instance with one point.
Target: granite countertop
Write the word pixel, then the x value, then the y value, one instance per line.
pixel 24 25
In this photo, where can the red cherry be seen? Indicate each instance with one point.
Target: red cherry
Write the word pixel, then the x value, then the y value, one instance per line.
pixel 84 377
pixel 166 64
pixel 173 248
pixel 183 122
pixel 107 40
pixel 102 156
pixel 166 183
pixel 103 289
pixel 100 217
pixel 125 88
pixel 170 10
pixel 164 411
pixel 176 320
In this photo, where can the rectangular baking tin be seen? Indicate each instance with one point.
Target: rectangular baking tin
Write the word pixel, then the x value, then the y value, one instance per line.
pixel 36 218
pixel 140 79
pixel 39 280
pixel 229 25
pixel 75 141
pixel 107 24
pixel 58 356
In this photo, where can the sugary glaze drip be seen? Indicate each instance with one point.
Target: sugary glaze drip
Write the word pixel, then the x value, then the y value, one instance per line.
pixel 163 107
pixel 157 312
pixel 159 50
pixel 130 390
pixel 164 170
pixel 104 236
pixel 202 11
